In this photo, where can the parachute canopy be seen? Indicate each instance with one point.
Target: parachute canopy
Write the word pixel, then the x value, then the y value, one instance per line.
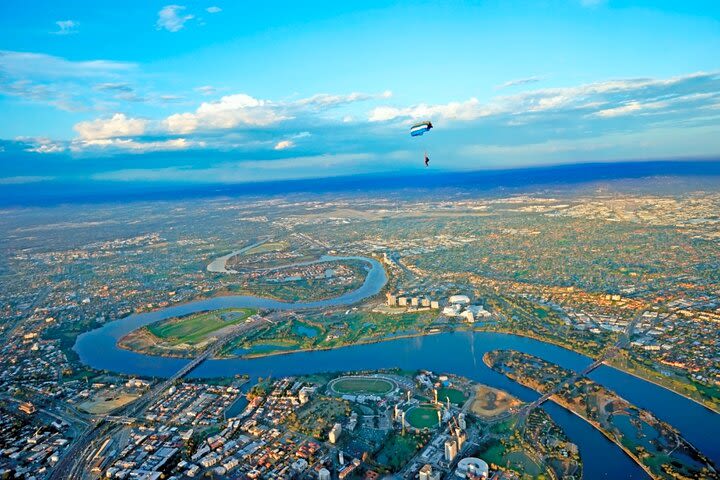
pixel 420 128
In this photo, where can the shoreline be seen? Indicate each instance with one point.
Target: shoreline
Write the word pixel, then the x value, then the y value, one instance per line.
pixel 557 344
pixel 417 335
pixel 566 406
pixel 663 386
pixel 226 293
pixel 645 468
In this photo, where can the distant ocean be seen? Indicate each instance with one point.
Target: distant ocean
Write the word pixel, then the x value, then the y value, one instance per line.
pixel 704 173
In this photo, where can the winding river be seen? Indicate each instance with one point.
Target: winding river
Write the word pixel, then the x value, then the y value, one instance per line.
pixel 459 352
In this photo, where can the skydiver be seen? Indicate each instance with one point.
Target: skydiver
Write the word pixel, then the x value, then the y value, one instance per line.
pixel 427 160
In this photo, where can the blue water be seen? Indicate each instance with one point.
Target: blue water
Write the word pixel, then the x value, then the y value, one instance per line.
pixel 305 330
pixel 459 352
pixel 98 348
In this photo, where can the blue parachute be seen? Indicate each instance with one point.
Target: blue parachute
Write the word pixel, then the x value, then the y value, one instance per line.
pixel 420 128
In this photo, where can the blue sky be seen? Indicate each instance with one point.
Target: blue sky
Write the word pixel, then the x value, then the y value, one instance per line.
pixel 218 91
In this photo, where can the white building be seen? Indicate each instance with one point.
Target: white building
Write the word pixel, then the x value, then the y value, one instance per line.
pixel 304 394
pixel 450 449
pixel 477 311
pixel 335 433
pixel 324 474
pixel 452 310
pixel 459 299
pixel 461 421
pixel 473 467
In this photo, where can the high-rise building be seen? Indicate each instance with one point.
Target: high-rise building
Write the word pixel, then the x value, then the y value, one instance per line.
pixel 461 436
pixel 414 301
pixel 402 301
pixel 391 299
pixel 335 433
pixel 304 394
pixel 462 423
pixel 425 472
pixel 450 449
pixel 425 302
pixel 324 474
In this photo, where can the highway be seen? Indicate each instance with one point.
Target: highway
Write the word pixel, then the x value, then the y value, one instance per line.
pixel 11 330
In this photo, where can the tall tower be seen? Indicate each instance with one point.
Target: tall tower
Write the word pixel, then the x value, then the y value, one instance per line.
pixel 403 423
pixel 439 414
pixel 435 394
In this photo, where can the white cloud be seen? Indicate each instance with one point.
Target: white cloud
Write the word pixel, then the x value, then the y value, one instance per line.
pixel 645 144
pixel 181 123
pixel 65 84
pixel 29 64
pixel 118 125
pixel 42 145
pixel 284 145
pixel 630 107
pixel 47 148
pixel 615 97
pixel 213 9
pixel 171 18
pixel 134 146
pixel 240 110
pixel 206 89
pixel 245 171
pixel 230 111
pixel 467 110
pixel 233 110
pixel 330 100
pixel 519 81
pixel 66 27
pixel 22 179
pixel 243 110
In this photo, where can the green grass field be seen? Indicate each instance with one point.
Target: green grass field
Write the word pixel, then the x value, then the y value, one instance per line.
pixel 360 385
pixel 268 247
pixel 194 328
pixel 524 463
pixel 456 396
pixel 422 417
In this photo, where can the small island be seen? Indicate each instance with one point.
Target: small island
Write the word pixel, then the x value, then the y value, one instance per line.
pixel 189 335
pixel 656 446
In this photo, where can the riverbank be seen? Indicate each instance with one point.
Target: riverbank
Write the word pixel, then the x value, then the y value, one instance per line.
pixel 650 380
pixel 658 448
pixel 251 356
pixel 607 435
pixel 700 402
pixel 457 328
